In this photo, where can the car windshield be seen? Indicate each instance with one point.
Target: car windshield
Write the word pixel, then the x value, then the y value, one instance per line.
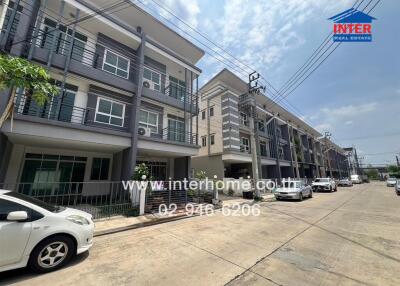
pixel 291 185
pixel 321 180
pixel 39 203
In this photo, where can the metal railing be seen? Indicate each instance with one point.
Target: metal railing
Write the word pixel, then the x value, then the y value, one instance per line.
pixel 101 199
pixel 175 135
pixel 63 112
pixel 174 193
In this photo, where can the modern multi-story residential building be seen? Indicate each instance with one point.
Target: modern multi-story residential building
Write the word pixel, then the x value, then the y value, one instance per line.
pixel 244 134
pixel 128 94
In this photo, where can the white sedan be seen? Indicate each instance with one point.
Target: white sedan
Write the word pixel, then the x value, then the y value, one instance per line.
pixel 42 236
pixel 296 190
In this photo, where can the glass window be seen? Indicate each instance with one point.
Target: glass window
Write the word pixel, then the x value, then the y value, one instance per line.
pixel 153 78
pixel 204 141
pixel 245 146
pixel 243 119
pixel 7 206
pixel 10 8
pixel 177 88
pixel 263 149
pixel 116 64
pixel 64 39
pixel 39 203
pixel 100 168
pixel 211 111
pixel 176 130
pixel 45 175
pixel 110 112
pixel 149 119
pixel 203 115
pixel 212 139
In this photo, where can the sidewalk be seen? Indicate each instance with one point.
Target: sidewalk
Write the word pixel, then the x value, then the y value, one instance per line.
pixel 121 223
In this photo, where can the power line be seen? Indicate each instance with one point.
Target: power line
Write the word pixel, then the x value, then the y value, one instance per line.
pixel 99 11
pixel 298 77
pixel 203 35
pixel 369 137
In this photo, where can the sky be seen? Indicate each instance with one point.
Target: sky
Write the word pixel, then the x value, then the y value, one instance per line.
pixel 354 94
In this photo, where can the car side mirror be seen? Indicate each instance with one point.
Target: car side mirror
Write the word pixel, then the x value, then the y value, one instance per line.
pixel 17 216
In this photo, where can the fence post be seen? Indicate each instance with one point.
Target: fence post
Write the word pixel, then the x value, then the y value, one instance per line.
pixel 110 201
pixel 142 201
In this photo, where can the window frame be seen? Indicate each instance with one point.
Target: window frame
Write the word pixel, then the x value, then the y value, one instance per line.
pixel 147 124
pixel 203 115
pixel 211 111
pixel 204 141
pixel 261 149
pixel 243 118
pixel 101 166
pixel 110 115
pixel 107 50
pixel 153 83
pixel 247 146
pixel 212 139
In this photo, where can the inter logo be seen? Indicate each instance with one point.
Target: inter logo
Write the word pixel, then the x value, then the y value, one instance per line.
pixel 352 26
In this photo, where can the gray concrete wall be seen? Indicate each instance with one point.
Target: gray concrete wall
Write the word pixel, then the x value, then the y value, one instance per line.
pixel 212 165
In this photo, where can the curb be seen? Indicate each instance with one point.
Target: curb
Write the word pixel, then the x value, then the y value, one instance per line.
pixel 140 225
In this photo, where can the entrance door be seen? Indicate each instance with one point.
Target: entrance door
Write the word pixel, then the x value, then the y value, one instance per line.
pixel 176 130
pixel 52 175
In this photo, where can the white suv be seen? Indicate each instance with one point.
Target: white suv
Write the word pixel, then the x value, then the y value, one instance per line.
pixel 324 184
pixel 40 235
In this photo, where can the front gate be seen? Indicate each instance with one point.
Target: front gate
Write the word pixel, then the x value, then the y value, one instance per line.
pixel 170 196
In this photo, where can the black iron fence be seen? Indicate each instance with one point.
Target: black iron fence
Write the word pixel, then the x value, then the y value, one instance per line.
pixel 101 199
pixel 174 193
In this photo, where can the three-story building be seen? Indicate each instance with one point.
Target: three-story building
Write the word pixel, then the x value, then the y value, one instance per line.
pixel 128 94
pixel 248 135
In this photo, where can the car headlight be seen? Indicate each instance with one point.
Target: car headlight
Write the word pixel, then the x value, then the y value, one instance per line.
pixel 78 219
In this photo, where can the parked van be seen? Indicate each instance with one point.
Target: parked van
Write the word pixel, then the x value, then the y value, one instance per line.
pixel 356 179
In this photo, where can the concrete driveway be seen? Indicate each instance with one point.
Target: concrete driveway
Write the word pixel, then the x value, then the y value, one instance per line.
pixel 351 237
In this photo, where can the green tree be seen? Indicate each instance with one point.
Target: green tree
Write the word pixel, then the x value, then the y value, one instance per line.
pixel 16 73
pixel 372 174
pixel 394 171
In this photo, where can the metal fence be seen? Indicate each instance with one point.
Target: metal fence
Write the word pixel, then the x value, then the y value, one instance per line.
pixel 176 194
pixel 101 199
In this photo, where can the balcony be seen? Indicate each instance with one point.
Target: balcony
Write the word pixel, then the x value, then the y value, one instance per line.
pixel 70 114
pixel 86 59
pixel 174 135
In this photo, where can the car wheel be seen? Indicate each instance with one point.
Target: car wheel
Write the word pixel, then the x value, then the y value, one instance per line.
pixel 51 254
pixel 300 197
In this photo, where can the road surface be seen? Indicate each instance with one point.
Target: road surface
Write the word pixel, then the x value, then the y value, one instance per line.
pixel 351 237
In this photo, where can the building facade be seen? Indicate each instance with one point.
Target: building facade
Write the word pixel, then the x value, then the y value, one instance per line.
pixel 246 135
pixel 128 94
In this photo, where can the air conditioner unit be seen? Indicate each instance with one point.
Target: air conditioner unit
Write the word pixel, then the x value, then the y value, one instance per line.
pixel 144 131
pixel 147 83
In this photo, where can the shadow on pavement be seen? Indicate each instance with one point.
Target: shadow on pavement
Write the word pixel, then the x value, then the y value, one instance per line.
pixel 22 274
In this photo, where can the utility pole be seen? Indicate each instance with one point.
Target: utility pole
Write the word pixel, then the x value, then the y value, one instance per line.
pixel 397 160
pixel 327 135
pixel 357 162
pixel 254 88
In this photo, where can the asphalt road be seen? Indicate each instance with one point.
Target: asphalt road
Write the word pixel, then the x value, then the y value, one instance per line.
pixel 351 237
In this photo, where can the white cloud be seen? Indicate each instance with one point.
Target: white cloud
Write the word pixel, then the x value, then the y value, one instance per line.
pixel 349 110
pixel 335 117
pixel 187 10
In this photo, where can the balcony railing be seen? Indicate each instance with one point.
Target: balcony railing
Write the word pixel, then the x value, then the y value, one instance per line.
pixel 175 135
pixel 67 113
